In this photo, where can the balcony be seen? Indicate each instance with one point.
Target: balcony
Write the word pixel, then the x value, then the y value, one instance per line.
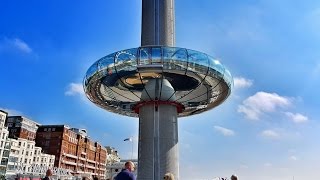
pixel 84 153
pixel 70 155
pixel 79 171
pixel 91 161
pixel 69 162
pixel 81 158
pixel 91 167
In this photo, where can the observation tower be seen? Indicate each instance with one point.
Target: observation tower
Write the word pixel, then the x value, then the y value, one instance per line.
pixel 158 83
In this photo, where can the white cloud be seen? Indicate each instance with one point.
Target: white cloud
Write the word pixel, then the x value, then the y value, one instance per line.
pixel 74 89
pixel 293 158
pixel 21 45
pixel 224 131
pixel 297 118
pixel 271 134
pixel 12 112
pixel 240 82
pixel 262 102
pixel 15 44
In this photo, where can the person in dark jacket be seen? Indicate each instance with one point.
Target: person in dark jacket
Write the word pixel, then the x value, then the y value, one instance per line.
pixel 127 173
pixel 234 177
pixel 48 175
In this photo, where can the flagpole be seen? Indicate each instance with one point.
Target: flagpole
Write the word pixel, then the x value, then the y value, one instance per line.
pixel 131 148
pixel 130 139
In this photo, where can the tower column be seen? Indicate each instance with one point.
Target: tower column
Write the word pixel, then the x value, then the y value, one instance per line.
pixel 158 133
pixel 158 127
pixel 158 23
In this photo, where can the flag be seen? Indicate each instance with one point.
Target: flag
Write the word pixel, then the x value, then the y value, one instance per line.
pixel 128 139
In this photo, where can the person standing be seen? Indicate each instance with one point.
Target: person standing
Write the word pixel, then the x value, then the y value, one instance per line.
pixel 168 176
pixel 48 175
pixel 234 177
pixel 127 172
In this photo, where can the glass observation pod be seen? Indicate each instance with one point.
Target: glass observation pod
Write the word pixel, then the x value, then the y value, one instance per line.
pixel 116 81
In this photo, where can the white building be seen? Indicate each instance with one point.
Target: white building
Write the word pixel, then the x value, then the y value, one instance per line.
pixel 25 154
pixel 4 147
pixel 113 166
pixel 112 155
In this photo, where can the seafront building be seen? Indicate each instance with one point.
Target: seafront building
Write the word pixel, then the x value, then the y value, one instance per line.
pixel 20 150
pixel 4 148
pixel 22 127
pixel 73 149
pixel 112 155
pixel 24 154
pixel 25 143
pixel 112 159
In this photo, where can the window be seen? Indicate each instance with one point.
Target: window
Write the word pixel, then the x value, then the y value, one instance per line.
pixel 53 129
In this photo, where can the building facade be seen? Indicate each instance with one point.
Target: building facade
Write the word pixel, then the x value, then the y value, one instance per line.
pixel 24 155
pixel 4 148
pixel 22 127
pixel 19 153
pixel 73 150
pixel 113 163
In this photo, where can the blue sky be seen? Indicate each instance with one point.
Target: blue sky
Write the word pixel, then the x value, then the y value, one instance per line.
pixel 267 129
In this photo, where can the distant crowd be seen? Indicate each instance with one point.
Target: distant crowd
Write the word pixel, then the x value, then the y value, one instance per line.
pixel 127 173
